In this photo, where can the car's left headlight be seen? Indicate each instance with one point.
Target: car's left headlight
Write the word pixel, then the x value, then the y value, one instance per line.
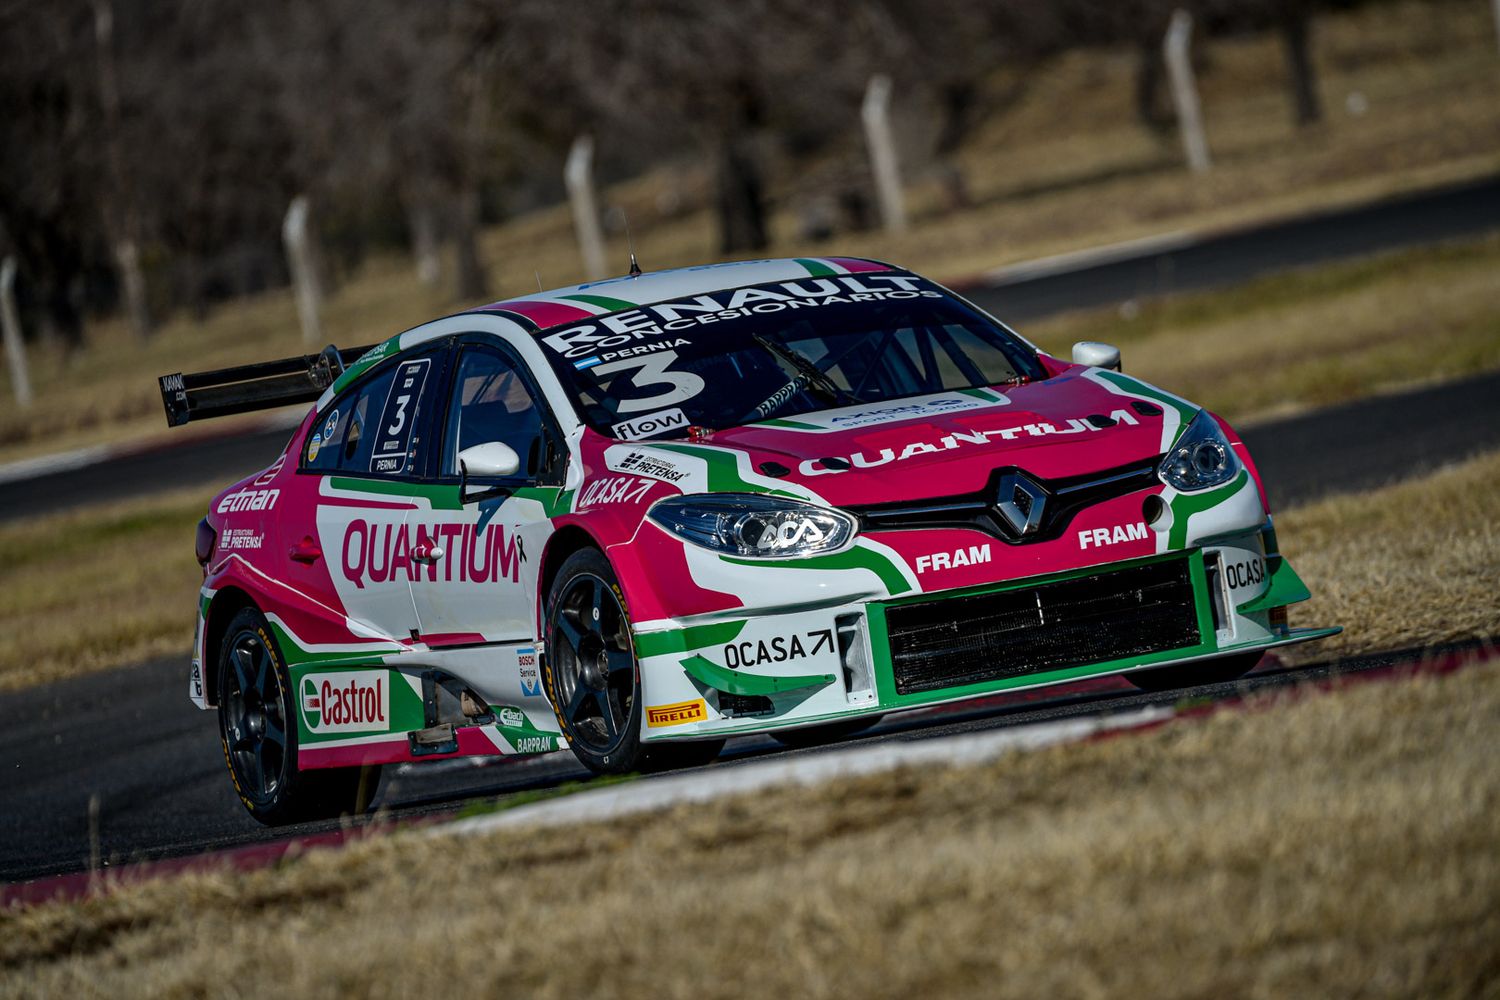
pixel 754 526
pixel 1202 457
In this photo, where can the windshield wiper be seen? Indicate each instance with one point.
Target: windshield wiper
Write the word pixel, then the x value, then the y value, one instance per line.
pixel 811 376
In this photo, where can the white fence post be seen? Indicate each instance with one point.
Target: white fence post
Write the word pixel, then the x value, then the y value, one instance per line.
pixel 1185 90
pixel 578 175
pixel 875 112
pixel 15 349
pixel 304 271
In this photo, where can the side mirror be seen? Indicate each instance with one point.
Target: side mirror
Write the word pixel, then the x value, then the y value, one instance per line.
pixel 1091 352
pixel 494 460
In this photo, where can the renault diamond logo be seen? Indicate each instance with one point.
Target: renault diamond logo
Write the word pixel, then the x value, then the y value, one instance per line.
pixel 1020 502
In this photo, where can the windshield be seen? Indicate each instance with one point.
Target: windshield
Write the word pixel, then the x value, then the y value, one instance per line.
pixel 777 350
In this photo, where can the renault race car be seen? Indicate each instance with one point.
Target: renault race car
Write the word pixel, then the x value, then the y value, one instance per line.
pixel 638 516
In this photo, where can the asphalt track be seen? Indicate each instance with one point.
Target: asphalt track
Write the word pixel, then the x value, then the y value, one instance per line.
pixel 1169 264
pixel 1017 295
pixel 130 737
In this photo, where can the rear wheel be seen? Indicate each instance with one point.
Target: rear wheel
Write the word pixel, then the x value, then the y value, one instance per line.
pixel 1181 675
pixel 592 676
pixel 258 731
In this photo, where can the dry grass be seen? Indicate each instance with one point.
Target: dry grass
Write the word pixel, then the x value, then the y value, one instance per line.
pixel 1414 563
pixel 1334 845
pixel 98 587
pixel 1041 183
pixel 1313 337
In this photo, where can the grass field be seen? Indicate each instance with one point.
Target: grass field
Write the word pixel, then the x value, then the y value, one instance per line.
pixel 1312 337
pixel 1338 844
pixel 97 588
pixel 1042 182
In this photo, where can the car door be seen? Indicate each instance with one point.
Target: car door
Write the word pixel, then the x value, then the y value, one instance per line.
pixel 368 450
pixel 479 586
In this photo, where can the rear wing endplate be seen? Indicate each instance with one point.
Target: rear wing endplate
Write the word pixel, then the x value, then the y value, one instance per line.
pixel 261 386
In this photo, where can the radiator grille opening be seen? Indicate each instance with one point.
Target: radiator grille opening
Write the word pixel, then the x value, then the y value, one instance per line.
pixel 950 642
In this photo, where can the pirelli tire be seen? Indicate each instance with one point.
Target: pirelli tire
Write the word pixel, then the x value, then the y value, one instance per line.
pixel 592 676
pixel 1183 675
pixel 258 733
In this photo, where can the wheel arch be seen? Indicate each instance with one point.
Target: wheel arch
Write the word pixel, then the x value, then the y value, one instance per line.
pixel 227 603
pixel 568 539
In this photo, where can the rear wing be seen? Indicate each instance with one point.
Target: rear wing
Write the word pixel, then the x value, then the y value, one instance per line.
pixel 261 386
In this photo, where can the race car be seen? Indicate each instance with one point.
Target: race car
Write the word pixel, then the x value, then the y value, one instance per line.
pixel 639 516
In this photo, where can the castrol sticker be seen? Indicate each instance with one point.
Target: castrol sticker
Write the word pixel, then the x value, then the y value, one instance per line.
pixel 352 701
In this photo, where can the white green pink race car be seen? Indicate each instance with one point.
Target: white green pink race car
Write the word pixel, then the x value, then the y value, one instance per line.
pixel 638 516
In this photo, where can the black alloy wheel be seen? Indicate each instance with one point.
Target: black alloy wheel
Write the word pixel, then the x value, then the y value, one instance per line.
pixel 258 732
pixel 596 676
pixel 254 719
pixel 592 676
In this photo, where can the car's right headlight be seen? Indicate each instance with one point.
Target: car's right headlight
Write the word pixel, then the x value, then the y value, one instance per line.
pixel 754 526
pixel 1201 459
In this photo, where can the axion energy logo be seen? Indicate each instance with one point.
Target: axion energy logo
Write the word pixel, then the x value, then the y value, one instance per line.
pixel 354 701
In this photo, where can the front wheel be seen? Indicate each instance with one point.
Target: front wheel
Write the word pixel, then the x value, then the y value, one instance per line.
pixel 1181 675
pixel 592 676
pixel 258 732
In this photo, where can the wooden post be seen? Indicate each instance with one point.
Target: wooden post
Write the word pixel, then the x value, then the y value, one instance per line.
pixel 1185 90
pixel 875 112
pixel 304 271
pixel 424 242
pixel 10 325
pixel 578 175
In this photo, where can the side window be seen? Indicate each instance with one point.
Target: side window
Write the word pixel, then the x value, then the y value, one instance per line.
pixel 491 402
pixel 373 429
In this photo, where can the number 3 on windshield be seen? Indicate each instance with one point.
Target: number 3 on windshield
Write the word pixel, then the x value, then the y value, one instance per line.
pixel 401 402
pixel 652 370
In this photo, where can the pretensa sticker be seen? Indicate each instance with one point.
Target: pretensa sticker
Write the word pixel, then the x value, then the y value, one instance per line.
pixel 313 447
pixel 331 424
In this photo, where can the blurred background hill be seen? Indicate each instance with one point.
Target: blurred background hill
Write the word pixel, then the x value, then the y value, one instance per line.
pixel 149 152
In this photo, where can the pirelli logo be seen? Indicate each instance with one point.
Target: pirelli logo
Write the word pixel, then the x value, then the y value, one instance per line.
pixel 676 715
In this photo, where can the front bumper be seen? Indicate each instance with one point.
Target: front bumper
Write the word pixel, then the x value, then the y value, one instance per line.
pixel 711 677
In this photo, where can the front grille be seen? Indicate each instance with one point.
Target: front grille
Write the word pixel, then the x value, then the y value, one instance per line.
pixel 949 642
pixel 1062 499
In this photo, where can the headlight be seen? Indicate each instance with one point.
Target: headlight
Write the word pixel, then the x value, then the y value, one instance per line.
pixel 754 526
pixel 1201 458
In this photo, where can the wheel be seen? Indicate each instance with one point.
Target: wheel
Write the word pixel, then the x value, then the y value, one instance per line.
pixel 1218 671
pixel 258 730
pixel 830 732
pixel 592 676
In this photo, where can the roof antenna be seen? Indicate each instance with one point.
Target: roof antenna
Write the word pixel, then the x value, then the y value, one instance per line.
pixel 538 280
pixel 635 267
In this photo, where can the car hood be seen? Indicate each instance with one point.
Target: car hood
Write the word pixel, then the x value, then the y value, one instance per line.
pixel 949 443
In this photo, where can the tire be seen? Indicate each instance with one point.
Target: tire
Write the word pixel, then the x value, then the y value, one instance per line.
pixel 593 679
pixel 258 733
pixel 831 732
pixel 1184 675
